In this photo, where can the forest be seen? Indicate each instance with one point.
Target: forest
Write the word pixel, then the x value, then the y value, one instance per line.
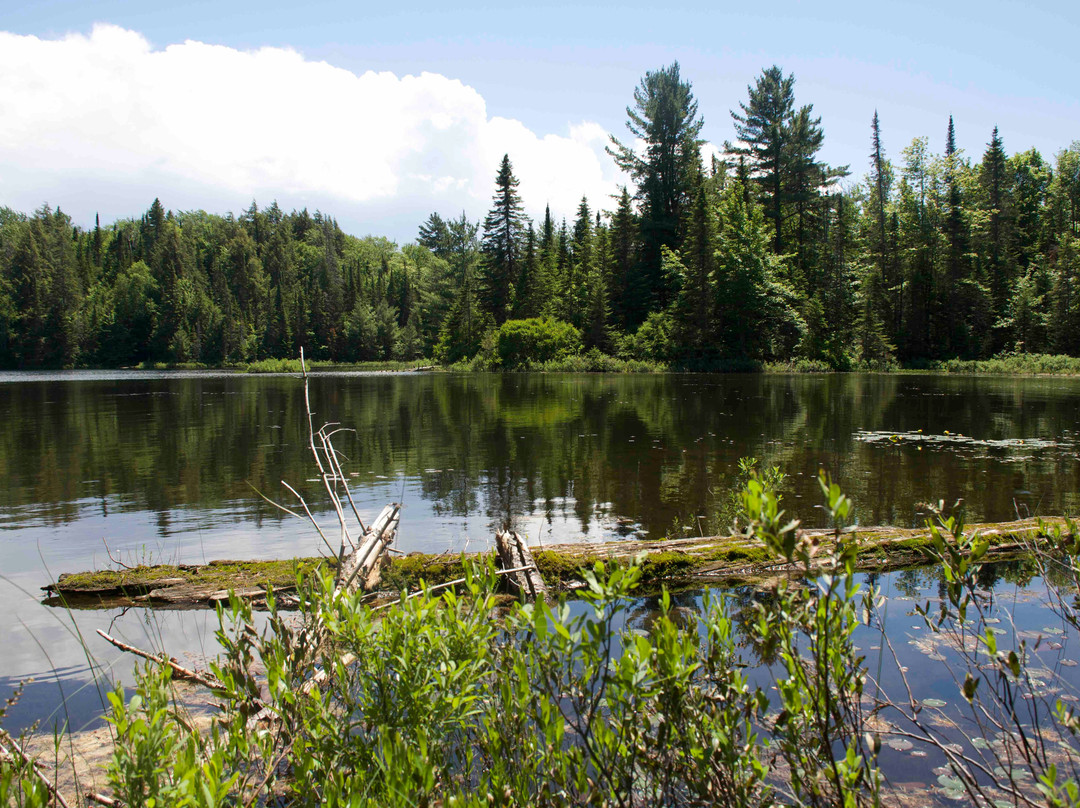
pixel 761 253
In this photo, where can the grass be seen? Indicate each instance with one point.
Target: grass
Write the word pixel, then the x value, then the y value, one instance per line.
pixel 1013 364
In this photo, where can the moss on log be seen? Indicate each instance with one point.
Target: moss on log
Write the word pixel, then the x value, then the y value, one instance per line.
pixel 712 559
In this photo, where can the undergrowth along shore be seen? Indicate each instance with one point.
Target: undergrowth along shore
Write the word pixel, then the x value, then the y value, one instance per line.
pixel 704 560
pixel 595 362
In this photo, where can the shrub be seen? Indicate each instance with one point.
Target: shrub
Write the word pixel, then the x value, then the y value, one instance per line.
pixel 534 341
pixel 653 339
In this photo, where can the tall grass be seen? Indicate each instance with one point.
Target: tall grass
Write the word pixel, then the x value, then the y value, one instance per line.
pixel 1017 364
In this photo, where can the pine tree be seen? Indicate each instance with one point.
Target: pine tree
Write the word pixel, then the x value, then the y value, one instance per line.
pixel 697 284
pixel 533 291
pixel 435 235
pixel 665 117
pixel 465 323
pixel 582 266
pixel 30 295
pixel 995 250
pixel 502 246
pixel 764 129
pixel 744 278
pixel 622 242
pixel 882 250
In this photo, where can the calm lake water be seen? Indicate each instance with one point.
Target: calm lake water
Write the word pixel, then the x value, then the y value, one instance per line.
pixel 162 466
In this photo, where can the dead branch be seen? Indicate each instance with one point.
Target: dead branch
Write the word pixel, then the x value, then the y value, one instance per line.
pixel 101 799
pixel 178 670
pixel 116 561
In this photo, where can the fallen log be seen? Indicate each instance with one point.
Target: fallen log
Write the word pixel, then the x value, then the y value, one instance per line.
pixel 702 560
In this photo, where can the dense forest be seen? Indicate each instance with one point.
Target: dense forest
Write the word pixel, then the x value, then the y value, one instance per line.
pixel 764 253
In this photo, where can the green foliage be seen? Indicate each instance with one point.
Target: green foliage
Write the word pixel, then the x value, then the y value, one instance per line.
pixel 521 343
pixel 653 339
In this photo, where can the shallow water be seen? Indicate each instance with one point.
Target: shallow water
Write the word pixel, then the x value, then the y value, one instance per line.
pixel 163 467
pixel 900 652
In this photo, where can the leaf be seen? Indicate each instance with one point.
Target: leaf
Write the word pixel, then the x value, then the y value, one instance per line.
pixel 949 781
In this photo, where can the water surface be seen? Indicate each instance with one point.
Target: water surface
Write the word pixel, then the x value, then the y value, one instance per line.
pixel 165 467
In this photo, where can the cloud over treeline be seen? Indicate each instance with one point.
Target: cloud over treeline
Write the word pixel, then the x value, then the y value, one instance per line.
pixel 106 122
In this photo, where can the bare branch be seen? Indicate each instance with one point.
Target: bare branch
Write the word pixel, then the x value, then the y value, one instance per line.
pixel 178 670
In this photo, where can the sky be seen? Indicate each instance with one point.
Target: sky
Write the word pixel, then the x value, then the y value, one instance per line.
pixel 379 114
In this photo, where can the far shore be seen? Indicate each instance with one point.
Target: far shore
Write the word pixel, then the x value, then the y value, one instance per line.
pixel 593 362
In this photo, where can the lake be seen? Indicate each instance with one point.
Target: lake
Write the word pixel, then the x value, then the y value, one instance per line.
pixel 165 467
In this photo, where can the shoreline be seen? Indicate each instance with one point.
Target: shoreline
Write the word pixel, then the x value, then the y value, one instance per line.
pixel 1012 365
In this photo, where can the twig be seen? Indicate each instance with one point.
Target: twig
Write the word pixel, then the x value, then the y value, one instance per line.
pixel 269 773
pixel 108 552
pixel 312 518
pixel 277 505
pixel 178 669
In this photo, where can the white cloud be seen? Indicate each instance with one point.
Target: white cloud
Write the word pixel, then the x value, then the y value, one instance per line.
pixel 106 122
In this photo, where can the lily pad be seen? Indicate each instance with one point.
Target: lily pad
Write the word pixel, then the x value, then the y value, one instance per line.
pixel 949 781
pixel 933 703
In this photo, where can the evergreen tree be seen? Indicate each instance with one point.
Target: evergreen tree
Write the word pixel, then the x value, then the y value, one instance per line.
pixel 29 279
pixel 882 242
pixel 695 264
pixel 994 179
pixel 625 296
pixel 435 235
pixel 763 129
pixel 582 266
pixel 745 280
pixel 465 323
pixel 503 243
pixel 533 291
pixel 665 117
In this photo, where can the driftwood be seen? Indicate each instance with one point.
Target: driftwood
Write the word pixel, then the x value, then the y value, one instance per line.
pixel 517 560
pixel 360 568
pixel 359 559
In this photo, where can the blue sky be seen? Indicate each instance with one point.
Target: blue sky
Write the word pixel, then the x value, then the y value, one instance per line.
pixel 552 68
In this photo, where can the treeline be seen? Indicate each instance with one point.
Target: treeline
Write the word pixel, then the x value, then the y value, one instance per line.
pixel 758 254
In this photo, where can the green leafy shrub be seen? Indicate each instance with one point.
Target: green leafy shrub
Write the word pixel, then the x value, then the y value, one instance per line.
pixel 535 341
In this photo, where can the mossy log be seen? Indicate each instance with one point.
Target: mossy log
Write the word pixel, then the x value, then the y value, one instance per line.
pixel 705 560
